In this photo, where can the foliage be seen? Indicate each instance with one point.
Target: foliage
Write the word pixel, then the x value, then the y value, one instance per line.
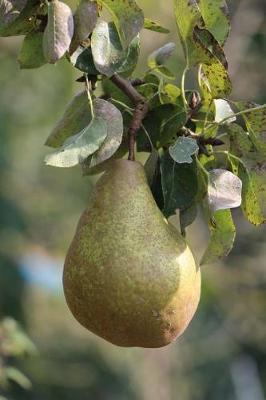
pixel 182 129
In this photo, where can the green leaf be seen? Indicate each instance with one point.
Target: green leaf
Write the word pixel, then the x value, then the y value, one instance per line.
pixel 179 183
pixel 154 26
pixel 16 376
pixel 183 149
pixel 114 122
pixel 187 216
pixel 216 18
pixel 127 16
pixel 170 93
pixel 85 19
pixel 17 17
pixel 58 32
pixel 222 238
pixel 131 57
pixel 224 190
pixel 79 147
pixel 157 59
pixel 82 59
pixel 75 118
pixel 107 51
pixel 255 120
pixel 151 165
pixel 31 53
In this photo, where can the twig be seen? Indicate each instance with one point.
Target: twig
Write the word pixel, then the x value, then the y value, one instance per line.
pixel 141 110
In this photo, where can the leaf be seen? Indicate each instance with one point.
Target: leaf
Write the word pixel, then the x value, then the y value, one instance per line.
pixel 223 110
pixel 157 59
pixel 16 376
pixel 183 149
pixel 151 165
pixel 85 19
pixel 58 32
pixel 17 17
pixel 131 57
pixel 170 93
pixel 216 18
pixel 255 121
pixel 79 147
pixel 179 183
pixel 187 15
pixel 187 216
pixel 31 53
pixel 82 59
pixel 114 122
pixel 223 233
pixel 154 26
pixel 224 190
pixel 127 16
pixel 108 54
pixel 75 118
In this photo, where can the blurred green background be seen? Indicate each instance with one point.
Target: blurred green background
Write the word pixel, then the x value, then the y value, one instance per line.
pixel 222 355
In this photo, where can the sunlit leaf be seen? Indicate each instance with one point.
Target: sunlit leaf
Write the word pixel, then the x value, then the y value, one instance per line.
pixel 223 111
pixel 154 26
pixel 31 53
pixel 224 190
pixel 216 18
pixel 222 238
pixel 58 32
pixel 183 150
pixel 79 147
pixel 127 16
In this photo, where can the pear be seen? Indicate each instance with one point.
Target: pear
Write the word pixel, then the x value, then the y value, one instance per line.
pixel 129 276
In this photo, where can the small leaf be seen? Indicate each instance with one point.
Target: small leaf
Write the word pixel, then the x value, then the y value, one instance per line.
pixel 31 53
pixel 75 118
pixel 179 183
pixel 223 110
pixel 82 59
pixel 223 233
pixel 224 190
pixel 85 19
pixel 58 32
pixel 107 51
pixel 157 59
pixel 127 16
pixel 183 149
pixel 154 26
pixel 216 18
pixel 114 121
pixel 16 376
pixel 78 148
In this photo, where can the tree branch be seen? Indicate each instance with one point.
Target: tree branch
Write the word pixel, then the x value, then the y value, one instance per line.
pixel 141 110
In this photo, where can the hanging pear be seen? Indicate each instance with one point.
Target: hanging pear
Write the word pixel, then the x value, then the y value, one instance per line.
pixel 129 276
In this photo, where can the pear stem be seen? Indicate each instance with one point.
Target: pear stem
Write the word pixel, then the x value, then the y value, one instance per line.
pixel 140 111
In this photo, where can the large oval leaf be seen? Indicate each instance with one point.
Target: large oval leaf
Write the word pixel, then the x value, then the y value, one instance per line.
pixel 58 32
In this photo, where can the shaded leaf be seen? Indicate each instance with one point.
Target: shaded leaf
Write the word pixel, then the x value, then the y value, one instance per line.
pixel 154 26
pixel 179 184
pixel 10 10
pixel 127 16
pixel 131 57
pixel 187 216
pixel 79 147
pixel 15 375
pixel 183 149
pixel 216 18
pixel 157 59
pixel 75 118
pixel 170 93
pixel 58 32
pixel 151 165
pixel 18 17
pixel 85 19
pixel 82 59
pixel 31 53
pixel 222 238
pixel 224 190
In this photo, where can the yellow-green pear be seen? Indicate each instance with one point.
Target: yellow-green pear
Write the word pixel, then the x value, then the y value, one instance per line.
pixel 129 276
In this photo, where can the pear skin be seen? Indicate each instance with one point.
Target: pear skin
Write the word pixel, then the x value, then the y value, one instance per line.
pixel 129 276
